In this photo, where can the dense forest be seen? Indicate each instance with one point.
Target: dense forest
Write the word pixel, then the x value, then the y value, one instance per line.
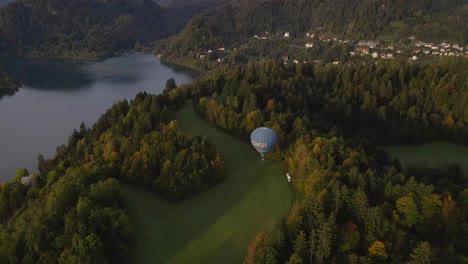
pixel 6 82
pixel 82 28
pixel 233 23
pixel 358 207
pixel 186 9
pixel 74 213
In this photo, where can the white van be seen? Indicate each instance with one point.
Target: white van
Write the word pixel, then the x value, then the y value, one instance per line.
pixel 288 176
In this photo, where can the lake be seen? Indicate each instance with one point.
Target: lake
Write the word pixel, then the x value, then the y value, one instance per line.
pixel 57 95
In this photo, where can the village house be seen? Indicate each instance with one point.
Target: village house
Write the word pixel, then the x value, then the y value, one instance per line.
pixel 27 180
pixel 286 35
pixel 309 45
pixel 375 55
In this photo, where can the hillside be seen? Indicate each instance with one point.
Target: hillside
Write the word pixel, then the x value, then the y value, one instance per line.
pixel 428 20
pixel 81 28
pixel 186 9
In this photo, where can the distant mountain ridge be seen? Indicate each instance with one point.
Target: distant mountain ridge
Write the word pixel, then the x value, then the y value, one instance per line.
pixel 81 28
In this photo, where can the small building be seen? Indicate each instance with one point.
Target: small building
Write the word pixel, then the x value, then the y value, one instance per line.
pixel 374 55
pixel 286 35
pixel 27 180
pixel 414 58
pixel 222 49
pixel 309 45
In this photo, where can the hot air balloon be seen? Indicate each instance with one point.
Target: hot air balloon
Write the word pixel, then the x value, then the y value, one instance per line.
pixel 263 140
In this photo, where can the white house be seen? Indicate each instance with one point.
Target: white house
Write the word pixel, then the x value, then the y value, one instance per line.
pixel 309 45
pixel 286 35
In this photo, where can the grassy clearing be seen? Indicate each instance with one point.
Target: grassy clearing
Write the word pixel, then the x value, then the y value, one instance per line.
pixel 217 225
pixel 433 154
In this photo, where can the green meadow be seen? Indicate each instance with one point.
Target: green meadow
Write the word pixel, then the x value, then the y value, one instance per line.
pixel 434 154
pixel 217 225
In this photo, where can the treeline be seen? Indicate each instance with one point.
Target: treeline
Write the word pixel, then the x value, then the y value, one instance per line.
pixel 74 213
pixel 385 103
pixel 358 207
pixel 81 29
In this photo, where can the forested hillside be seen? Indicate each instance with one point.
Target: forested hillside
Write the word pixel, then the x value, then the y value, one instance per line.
pixel 428 20
pixel 359 206
pixel 186 9
pixel 81 28
pixel 74 213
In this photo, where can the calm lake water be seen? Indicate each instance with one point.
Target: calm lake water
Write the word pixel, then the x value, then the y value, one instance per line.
pixel 57 95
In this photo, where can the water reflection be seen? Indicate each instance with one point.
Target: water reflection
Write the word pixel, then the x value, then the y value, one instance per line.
pixel 7 92
pixel 182 69
pixel 57 95
pixel 48 74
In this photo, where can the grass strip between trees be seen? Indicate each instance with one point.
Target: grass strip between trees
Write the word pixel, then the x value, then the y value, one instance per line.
pixel 217 225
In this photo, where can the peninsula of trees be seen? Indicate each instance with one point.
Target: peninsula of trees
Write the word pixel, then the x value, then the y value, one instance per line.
pixel 6 82
pixel 74 213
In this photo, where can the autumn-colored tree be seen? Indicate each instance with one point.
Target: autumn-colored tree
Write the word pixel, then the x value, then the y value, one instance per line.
pixel 377 249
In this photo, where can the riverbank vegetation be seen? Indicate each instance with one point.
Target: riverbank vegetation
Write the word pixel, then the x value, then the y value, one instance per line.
pixel 359 206
pixel 6 82
pixel 74 212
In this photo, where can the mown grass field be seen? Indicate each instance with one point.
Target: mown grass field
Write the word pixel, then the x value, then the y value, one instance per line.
pixel 433 154
pixel 217 225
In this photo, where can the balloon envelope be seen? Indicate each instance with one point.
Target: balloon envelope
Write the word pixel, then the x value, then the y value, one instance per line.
pixel 263 139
